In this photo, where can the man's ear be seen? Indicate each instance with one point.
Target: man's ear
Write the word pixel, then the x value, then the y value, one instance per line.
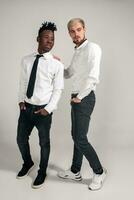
pixel 38 39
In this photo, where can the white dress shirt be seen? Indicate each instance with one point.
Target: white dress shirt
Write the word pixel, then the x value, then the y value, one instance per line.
pixel 49 81
pixel 84 68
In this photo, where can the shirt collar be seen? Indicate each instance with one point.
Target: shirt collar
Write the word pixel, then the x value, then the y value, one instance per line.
pixel 47 55
pixel 82 45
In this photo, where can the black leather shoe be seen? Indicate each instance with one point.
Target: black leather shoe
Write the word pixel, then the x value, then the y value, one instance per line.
pixel 39 181
pixel 25 171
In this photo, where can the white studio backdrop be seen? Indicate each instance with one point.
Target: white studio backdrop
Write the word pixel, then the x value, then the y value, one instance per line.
pixel 110 24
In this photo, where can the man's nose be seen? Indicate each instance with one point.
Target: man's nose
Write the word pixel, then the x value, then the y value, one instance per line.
pixel 76 34
pixel 49 43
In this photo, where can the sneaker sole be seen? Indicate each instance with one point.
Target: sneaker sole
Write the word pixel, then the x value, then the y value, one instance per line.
pixel 78 179
pixel 101 184
pixel 22 177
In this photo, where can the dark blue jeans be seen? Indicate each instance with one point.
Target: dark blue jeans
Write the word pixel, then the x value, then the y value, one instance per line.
pixel 27 121
pixel 80 116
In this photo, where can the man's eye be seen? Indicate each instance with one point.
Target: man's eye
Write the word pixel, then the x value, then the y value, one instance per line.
pixel 71 31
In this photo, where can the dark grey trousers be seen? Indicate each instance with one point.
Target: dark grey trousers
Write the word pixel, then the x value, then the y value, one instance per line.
pixel 27 121
pixel 80 116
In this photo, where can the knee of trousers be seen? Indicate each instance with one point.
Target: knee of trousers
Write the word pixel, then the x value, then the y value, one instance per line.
pixel 22 140
pixel 44 143
pixel 80 142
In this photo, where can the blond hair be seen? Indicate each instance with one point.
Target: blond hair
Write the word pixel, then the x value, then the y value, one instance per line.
pixel 72 21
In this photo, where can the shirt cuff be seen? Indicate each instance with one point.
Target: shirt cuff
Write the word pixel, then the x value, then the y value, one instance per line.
pixel 49 109
pixel 83 94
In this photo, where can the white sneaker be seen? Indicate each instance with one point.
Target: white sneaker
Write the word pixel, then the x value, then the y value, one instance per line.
pixel 98 180
pixel 68 174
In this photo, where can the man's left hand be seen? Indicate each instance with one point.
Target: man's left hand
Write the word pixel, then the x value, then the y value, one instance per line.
pixel 42 112
pixel 75 100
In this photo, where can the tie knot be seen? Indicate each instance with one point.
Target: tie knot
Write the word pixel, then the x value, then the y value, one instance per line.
pixel 39 55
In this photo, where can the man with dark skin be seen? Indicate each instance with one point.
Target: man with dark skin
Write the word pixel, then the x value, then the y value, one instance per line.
pixel 41 84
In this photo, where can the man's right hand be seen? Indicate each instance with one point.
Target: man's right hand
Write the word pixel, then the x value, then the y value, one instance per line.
pixel 56 57
pixel 22 106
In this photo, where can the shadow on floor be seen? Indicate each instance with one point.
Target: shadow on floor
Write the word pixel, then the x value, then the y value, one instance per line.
pixel 9 161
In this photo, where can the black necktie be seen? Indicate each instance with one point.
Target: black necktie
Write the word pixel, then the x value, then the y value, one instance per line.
pixel 32 78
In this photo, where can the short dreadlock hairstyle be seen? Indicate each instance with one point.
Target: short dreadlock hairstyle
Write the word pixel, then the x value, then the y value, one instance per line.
pixel 47 26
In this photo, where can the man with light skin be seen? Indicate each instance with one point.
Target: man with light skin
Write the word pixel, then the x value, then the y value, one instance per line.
pixel 84 70
pixel 41 84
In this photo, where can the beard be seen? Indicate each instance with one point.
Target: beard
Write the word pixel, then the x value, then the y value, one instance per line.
pixel 78 42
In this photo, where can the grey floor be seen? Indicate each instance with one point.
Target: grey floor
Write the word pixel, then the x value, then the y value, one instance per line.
pixel 118 185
